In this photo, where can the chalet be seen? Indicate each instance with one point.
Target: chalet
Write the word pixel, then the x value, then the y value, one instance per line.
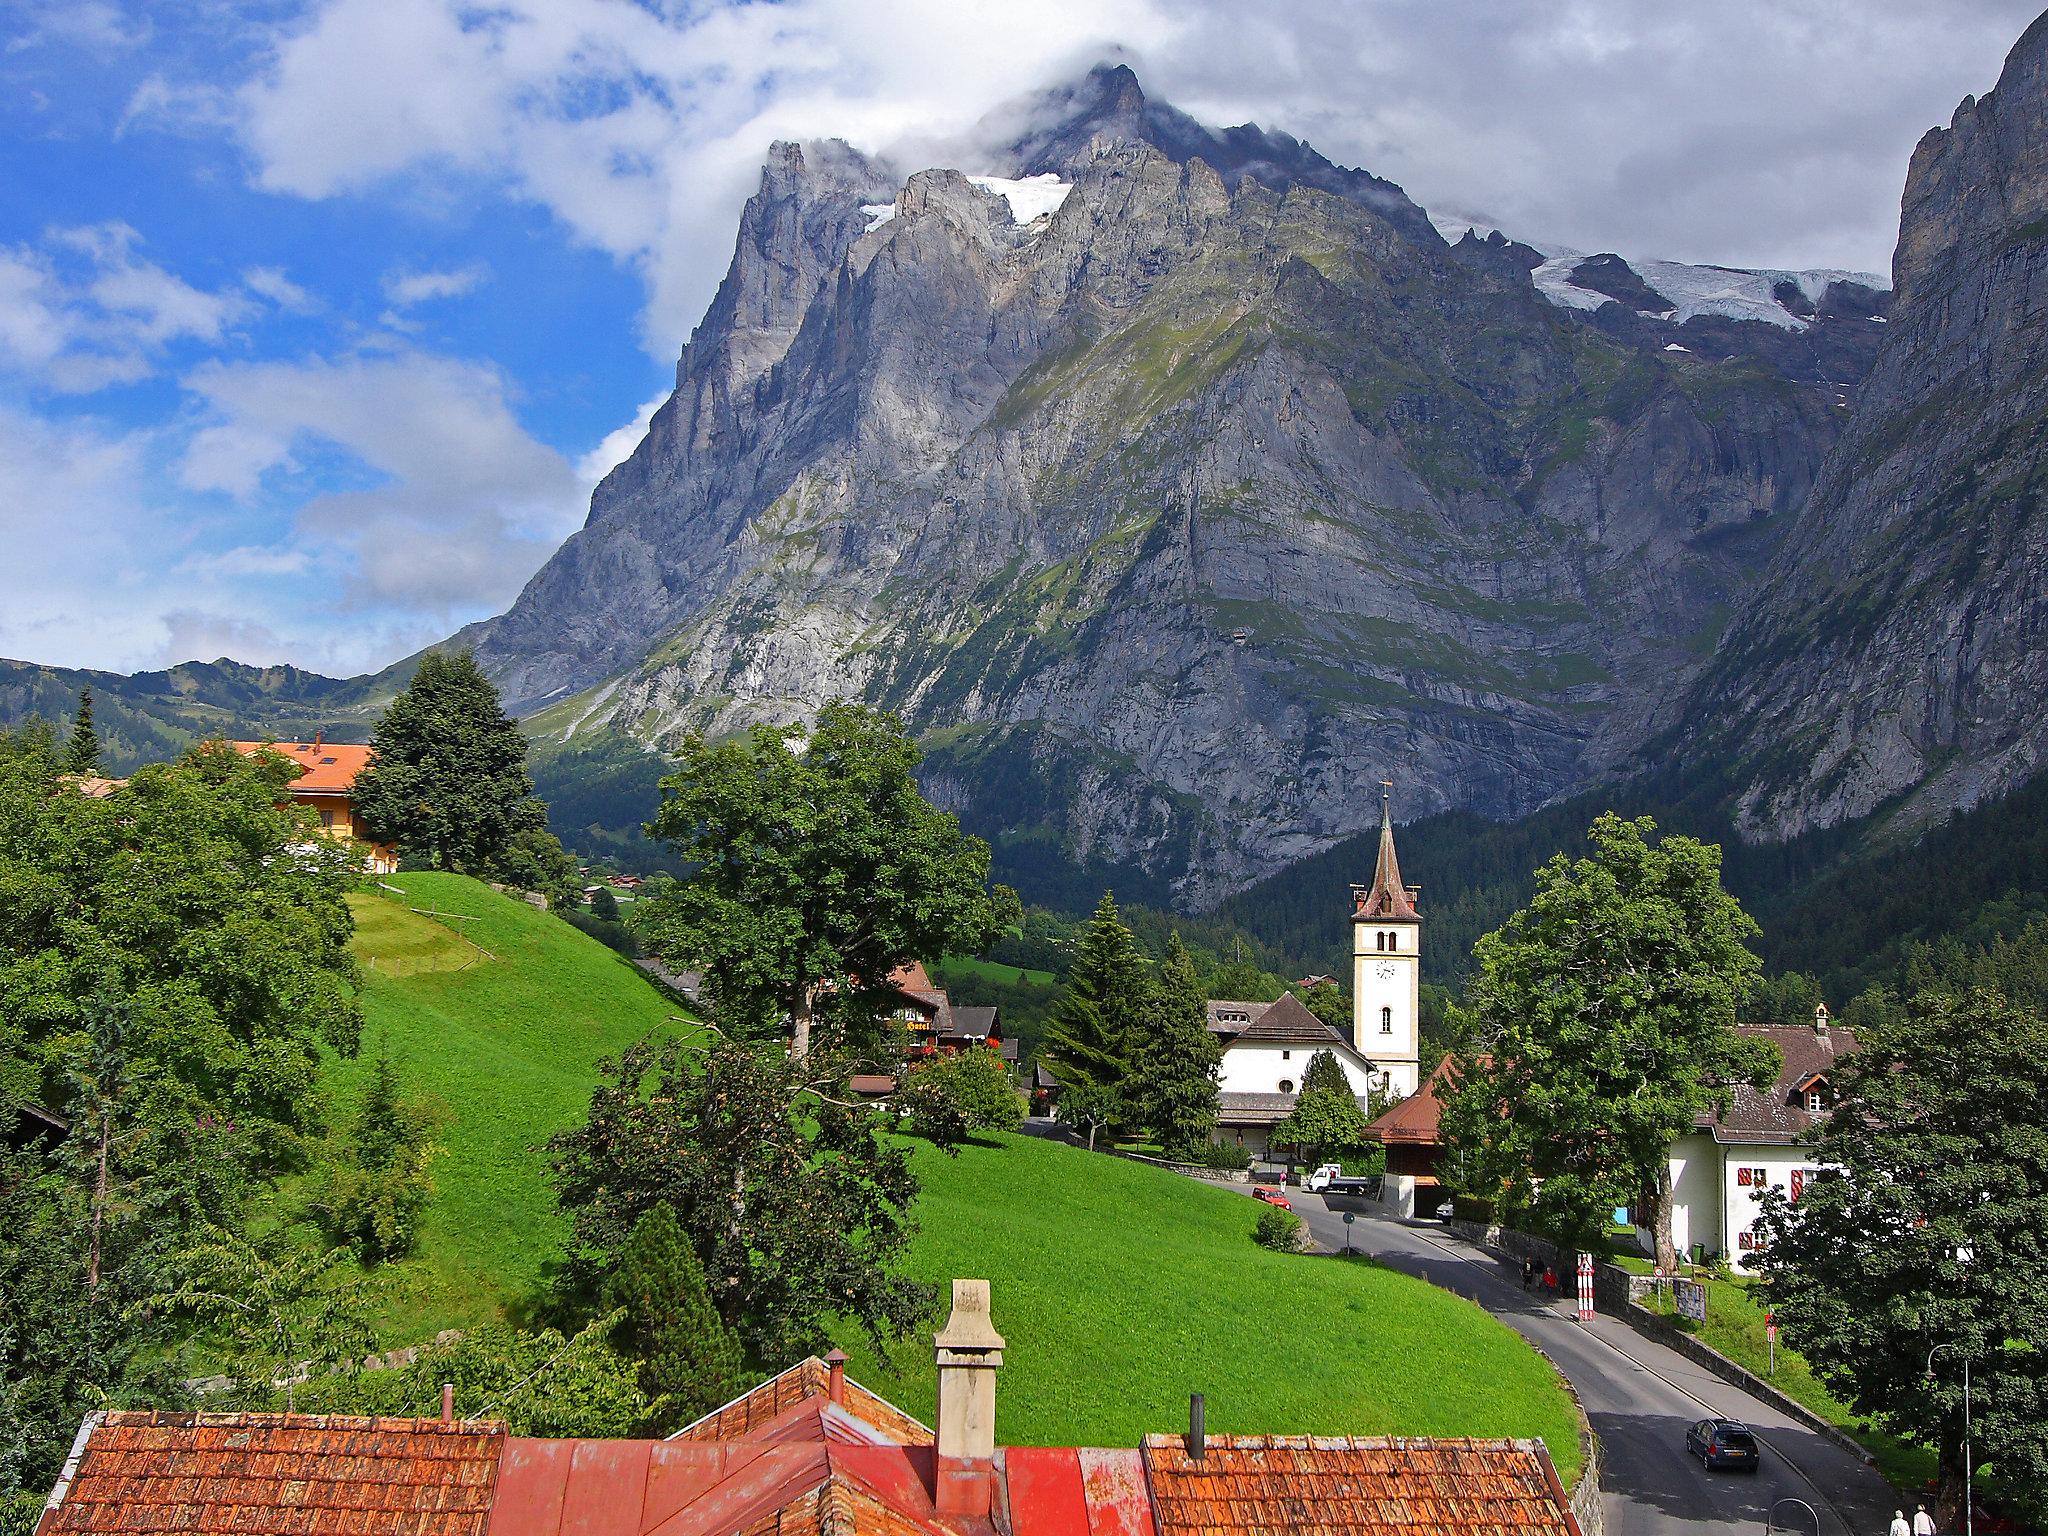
pixel 1721 1168
pixel 936 1025
pixel 1266 1049
pixel 327 774
pixel 810 1452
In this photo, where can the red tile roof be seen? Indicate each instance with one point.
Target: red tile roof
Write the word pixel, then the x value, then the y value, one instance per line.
pixel 329 767
pixel 1255 1484
pixel 808 1381
pixel 1418 1119
pixel 273 1475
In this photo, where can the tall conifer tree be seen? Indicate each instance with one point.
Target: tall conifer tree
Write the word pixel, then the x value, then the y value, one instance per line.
pixel 1095 1028
pixel 1176 1058
pixel 82 747
pixel 690 1361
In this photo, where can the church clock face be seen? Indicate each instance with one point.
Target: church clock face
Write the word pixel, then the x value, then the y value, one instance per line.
pixel 1386 968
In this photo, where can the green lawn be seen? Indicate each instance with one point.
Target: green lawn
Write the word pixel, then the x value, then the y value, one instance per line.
pixel 988 970
pixel 508 1047
pixel 1122 1288
pixel 1735 1326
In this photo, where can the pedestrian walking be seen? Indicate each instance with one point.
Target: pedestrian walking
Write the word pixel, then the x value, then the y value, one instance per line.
pixel 1923 1522
pixel 1899 1526
pixel 1528 1273
pixel 1550 1281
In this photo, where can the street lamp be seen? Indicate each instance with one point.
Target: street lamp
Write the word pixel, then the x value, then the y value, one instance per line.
pixel 1771 1519
pixel 1969 1462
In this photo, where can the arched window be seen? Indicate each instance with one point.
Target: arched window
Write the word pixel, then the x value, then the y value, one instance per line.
pixel 1286 1085
pixel 1379 942
pixel 1386 1021
pixel 1394 941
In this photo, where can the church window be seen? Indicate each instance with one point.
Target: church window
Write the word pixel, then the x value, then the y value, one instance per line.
pixel 1393 941
pixel 1287 1085
pixel 1287 1055
pixel 1386 1021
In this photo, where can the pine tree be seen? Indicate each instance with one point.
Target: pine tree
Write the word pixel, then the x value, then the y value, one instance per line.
pixel 1177 1059
pixel 82 747
pixel 448 783
pixel 690 1360
pixel 1098 1021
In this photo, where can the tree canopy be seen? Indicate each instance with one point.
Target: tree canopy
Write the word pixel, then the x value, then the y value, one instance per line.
pixel 1605 1016
pixel 1326 1117
pixel 1925 1226
pixel 819 869
pixel 795 1205
pixel 447 782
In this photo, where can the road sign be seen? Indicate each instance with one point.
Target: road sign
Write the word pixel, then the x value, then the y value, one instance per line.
pixel 1585 1287
pixel 1692 1299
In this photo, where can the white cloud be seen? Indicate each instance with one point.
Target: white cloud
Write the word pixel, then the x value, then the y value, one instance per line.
pixel 272 284
pixel 619 443
pixel 1763 133
pixel 406 289
pixel 85 311
pixel 459 504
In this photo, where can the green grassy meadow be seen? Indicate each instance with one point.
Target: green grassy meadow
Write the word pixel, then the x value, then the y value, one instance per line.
pixel 1121 1289
pixel 988 970
pixel 507 1048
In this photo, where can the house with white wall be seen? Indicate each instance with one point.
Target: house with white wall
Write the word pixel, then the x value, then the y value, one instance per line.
pixel 1266 1049
pixel 1720 1169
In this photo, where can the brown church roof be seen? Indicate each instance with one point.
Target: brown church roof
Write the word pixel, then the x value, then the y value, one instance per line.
pixel 1287 1022
pixel 1387 899
pixel 1779 1113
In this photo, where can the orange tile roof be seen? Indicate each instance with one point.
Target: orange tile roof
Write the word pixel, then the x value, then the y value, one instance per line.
pixel 1418 1119
pixel 1254 1484
pixel 808 1381
pixel 273 1475
pixel 329 767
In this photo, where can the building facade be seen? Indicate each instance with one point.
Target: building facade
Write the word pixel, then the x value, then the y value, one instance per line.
pixel 327 776
pixel 1720 1170
pixel 1266 1049
pixel 1386 968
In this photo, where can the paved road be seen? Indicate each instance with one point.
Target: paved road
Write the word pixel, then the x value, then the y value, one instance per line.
pixel 1640 1397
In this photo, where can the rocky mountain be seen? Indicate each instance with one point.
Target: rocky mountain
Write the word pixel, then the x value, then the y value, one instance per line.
pixel 1896 655
pixel 1178 485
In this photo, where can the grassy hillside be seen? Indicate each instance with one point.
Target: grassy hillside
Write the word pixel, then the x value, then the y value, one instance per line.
pixel 507 1043
pixel 1122 1288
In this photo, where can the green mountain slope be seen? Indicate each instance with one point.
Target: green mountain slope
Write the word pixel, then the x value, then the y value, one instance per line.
pixel 499 1014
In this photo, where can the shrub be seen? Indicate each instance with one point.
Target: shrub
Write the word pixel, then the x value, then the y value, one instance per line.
pixel 1279 1230
pixel 948 1097
pixel 1223 1154
pixel 370 1184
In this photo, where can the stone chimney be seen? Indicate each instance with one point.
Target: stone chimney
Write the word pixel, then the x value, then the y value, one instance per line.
pixel 968 1350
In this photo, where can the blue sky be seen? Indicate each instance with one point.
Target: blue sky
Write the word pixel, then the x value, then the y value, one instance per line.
pixel 318 321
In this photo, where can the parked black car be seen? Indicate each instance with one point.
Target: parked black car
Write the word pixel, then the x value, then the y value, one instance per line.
pixel 1723 1443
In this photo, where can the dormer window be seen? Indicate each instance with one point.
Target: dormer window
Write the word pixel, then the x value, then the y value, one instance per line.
pixel 1815 1101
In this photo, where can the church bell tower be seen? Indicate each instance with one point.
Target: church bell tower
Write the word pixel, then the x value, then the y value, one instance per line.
pixel 1386 965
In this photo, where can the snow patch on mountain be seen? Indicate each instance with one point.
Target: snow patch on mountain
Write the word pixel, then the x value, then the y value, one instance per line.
pixel 1735 292
pixel 1029 197
pixel 878 215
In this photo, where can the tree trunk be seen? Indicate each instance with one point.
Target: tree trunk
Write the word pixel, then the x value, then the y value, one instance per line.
pixel 1950 1484
pixel 800 1026
pixel 99 1201
pixel 1660 1216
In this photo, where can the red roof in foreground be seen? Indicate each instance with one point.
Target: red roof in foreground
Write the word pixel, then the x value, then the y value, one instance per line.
pixel 146 1472
pixel 786 1459
pixel 328 767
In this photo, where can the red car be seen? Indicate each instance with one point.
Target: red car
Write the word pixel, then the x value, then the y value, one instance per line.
pixel 1271 1196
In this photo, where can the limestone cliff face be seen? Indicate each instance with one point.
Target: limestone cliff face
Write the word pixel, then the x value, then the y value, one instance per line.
pixel 1900 645
pixel 1176 517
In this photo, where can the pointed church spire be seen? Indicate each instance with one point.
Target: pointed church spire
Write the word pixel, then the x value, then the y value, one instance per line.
pixel 1388 897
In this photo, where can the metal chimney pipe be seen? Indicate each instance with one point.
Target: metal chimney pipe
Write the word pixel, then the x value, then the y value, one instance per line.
pixel 835 1381
pixel 447 1402
pixel 1198 1434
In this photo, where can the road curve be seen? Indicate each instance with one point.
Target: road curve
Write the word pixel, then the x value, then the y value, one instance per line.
pixel 1640 1396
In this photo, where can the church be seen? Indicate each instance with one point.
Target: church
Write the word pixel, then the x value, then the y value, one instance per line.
pixel 1267 1046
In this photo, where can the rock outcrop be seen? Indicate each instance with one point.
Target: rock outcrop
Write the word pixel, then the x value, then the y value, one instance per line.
pixel 1176 517
pixel 1897 655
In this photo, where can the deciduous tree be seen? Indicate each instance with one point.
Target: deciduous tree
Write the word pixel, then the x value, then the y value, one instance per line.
pixel 796 1207
pixel 1925 1226
pixel 1606 1020
pixel 1326 1118
pixel 818 869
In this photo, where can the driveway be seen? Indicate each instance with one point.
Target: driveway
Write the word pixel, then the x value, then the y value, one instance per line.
pixel 1640 1397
